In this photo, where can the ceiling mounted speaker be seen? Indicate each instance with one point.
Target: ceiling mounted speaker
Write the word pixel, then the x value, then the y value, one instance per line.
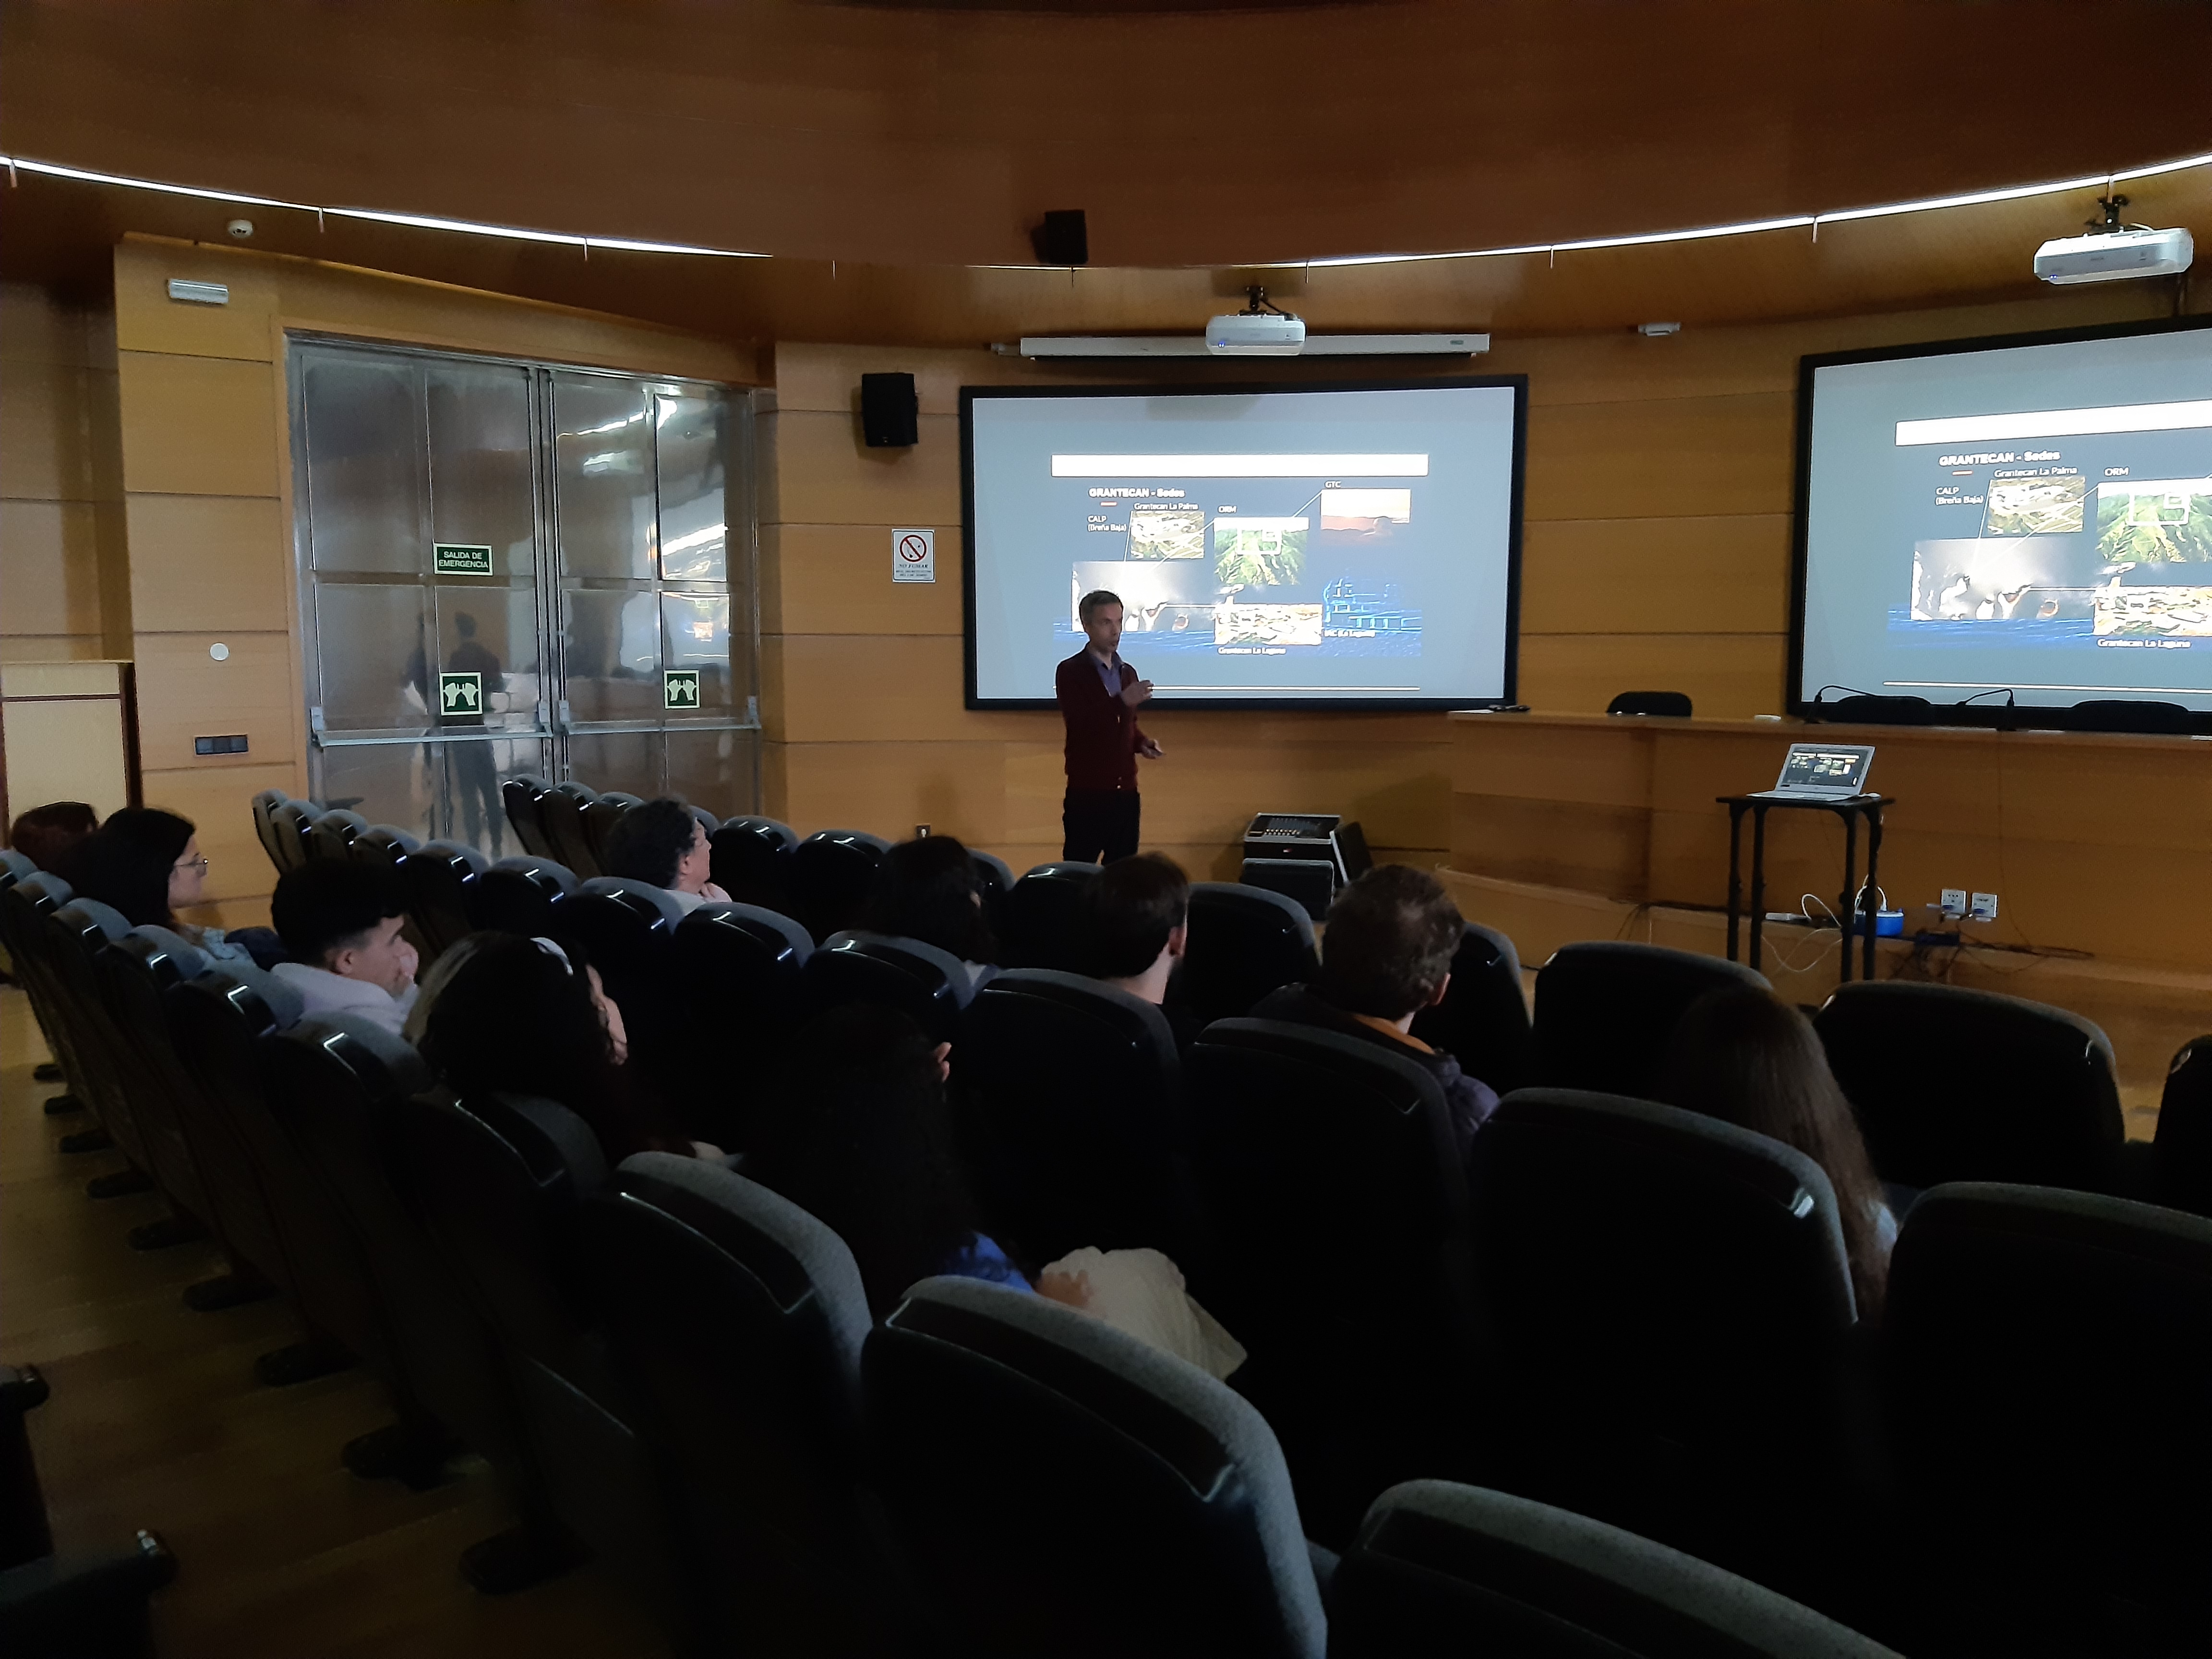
pixel 1062 238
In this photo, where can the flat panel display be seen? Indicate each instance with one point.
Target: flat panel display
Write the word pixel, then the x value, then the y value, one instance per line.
pixel 1327 546
pixel 2019 521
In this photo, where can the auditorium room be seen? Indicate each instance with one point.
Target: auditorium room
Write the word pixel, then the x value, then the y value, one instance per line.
pixel 1309 828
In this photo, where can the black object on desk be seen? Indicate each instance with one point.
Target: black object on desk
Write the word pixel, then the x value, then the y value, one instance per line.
pixel 1850 809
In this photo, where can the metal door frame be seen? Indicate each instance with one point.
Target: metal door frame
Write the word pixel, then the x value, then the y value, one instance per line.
pixel 741 541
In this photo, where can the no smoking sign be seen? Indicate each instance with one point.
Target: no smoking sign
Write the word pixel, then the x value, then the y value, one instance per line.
pixel 914 556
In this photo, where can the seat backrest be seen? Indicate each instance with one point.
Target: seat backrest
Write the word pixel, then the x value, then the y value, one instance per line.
pixel 1048 918
pixel 1607 1009
pixel 1675 705
pixel 1029 1457
pixel 71 937
pixel 2183 1149
pixel 383 843
pixel 1075 1095
pixel 215 1020
pixel 735 1320
pixel 331 832
pixel 600 818
pixel 1483 1021
pixel 135 972
pixel 288 824
pixel 517 894
pixel 832 873
pixel 561 817
pixel 519 796
pixel 437 877
pixel 335 1087
pixel 628 928
pixel 1671 1316
pixel 739 974
pixel 1334 1188
pixel 1440 1568
pixel 1953 1084
pixel 929 985
pixel 145 974
pixel 2023 1326
pixel 1244 943
pixel 264 826
pixel 750 860
pixel 25 901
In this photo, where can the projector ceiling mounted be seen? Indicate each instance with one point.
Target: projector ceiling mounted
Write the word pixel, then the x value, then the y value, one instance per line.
pixel 1261 330
pixel 2113 252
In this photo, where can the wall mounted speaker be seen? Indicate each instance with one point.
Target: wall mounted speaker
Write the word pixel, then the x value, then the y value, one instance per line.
pixel 890 412
pixel 1061 240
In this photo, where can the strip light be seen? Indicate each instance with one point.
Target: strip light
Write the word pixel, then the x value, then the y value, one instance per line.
pixel 1706 232
pixel 420 222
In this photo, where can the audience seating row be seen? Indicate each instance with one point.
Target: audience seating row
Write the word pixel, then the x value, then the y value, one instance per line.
pixel 672 1368
pixel 1655 1303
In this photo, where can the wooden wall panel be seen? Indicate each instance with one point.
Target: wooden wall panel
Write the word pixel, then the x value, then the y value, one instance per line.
pixel 199 426
pixel 220 802
pixel 49 555
pixel 824 474
pixel 836 578
pixel 1666 456
pixel 1728 676
pixel 210 562
pixel 184 693
pixel 1692 575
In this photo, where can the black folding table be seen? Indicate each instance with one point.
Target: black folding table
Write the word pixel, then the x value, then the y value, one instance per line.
pixel 1865 902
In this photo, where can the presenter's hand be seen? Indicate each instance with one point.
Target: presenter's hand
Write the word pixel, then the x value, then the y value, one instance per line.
pixel 1136 691
pixel 1149 750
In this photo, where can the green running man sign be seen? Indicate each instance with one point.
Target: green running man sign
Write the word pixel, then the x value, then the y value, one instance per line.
pixel 460 696
pixel 679 688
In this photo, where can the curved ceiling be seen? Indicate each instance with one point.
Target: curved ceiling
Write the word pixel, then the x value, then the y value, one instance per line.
pixel 1209 136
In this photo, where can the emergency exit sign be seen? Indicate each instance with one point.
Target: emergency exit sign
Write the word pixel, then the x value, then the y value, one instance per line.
pixel 460 559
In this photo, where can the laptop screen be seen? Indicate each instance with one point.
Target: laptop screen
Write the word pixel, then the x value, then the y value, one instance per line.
pixel 1830 769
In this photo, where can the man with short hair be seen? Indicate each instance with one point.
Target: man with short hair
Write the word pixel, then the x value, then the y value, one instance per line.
pixel 1385 955
pixel 341 923
pixel 1098 695
pixel 1139 917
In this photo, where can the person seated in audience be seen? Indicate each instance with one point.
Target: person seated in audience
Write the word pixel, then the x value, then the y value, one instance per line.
pixel 1140 912
pixel 45 833
pixel 341 925
pixel 927 889
pixel 501 1013
pixel 661 843
pixel 855 1133
pixel 146 864
pixel 1387 954
pixel 1747 1057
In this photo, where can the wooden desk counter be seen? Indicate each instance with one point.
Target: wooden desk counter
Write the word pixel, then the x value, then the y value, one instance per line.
pixel 2100 844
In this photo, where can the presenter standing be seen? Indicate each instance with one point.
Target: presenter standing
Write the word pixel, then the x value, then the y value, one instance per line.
pixel 1098 695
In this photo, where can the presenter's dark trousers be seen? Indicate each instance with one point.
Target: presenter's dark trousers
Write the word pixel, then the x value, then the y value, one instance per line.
pixel 1099 825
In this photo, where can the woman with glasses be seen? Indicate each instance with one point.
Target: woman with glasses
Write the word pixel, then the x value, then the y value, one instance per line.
pixel 146 864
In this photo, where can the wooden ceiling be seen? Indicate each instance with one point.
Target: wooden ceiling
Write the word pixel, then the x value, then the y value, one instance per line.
pixel 1204 137
pixel 892 157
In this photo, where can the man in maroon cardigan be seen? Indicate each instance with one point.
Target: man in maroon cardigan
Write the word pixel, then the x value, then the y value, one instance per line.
pixel 1098 696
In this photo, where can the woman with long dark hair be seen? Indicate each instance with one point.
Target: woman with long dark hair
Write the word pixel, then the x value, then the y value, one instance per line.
pixel 926 888
pixel 1747 1057
pixel 146 864
pixel 855 1133
pixel 498 1013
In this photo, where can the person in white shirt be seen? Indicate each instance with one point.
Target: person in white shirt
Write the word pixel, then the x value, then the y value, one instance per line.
pixel 660 844
pixel 341 925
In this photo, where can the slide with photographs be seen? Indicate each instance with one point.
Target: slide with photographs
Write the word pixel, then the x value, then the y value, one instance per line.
pixel 2033 520
pixel 1308 546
